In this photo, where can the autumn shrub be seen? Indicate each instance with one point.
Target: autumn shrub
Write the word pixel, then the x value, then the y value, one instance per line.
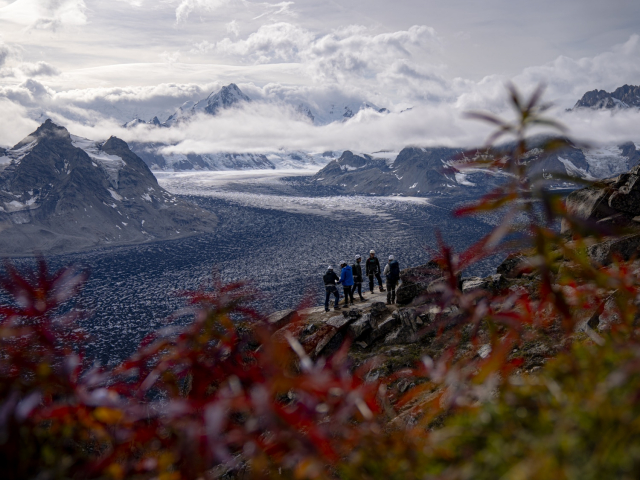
pixel 225 397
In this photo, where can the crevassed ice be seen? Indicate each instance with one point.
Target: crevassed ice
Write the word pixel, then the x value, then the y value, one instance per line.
pixel 606 161
pixel 571 169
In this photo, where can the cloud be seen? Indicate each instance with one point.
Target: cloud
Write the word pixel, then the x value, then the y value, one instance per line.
pixel 351 56
pixel 566 79
pixel 277 42
pixel 5 52
pixel 45 14
pixel 187 7
pixel 170 57
pixel 15 124
pixel 39 69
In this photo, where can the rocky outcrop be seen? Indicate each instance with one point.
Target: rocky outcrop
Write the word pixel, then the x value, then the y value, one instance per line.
pixel 613 202
pixel 60 193
pixel 415 282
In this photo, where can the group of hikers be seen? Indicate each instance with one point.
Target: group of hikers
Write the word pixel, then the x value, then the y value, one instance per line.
pixel 351 278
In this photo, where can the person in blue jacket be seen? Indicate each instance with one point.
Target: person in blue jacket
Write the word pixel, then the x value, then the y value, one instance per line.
pixel 346 279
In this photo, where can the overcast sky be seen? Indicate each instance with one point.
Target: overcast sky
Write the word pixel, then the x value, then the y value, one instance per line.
pixel 90 63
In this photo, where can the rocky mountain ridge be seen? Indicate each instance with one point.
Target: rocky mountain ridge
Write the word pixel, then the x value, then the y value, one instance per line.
pixel 418 171
pixel 61 193
pixel 625 97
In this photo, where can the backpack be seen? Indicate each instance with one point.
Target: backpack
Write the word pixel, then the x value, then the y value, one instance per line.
pixel 394 273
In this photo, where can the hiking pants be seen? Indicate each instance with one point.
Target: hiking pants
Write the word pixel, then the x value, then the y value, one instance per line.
pixel 348 294
pixel 331 291
pixel 357 287
pixel 377 275
pixel 391 291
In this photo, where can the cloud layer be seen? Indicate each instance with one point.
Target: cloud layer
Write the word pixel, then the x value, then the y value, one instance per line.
pixel 281 57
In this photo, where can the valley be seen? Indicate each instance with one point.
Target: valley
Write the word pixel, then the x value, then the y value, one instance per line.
pixel 281 242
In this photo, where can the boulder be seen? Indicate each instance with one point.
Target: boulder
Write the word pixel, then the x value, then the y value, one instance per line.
pixel 360 326
pixel 493 284
pixel 378 310
pixel 415 282
pixel 353 313
pixel 339 321
pixel 281 318
pixel 514 266
pixel 626 248
pixel 400 336
pixel 381 330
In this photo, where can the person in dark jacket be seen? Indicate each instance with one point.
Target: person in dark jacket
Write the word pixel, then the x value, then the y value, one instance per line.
pixel 373 270
pixel 392 273
pixel 357 277
pixel 346 279
pixel 330 279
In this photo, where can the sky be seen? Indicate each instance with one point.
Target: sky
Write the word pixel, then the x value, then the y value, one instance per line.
pixel 93 65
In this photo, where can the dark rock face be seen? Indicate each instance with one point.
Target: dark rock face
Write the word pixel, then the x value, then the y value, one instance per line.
pixel 624 97
pixel 614 201
pixel 60 193
pixel 630 151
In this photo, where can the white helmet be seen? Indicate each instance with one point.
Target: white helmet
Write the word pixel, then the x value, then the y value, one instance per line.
pixel 358 257
pixel 373 251
pixel 391 257
pixel 342 262
pixel 329 267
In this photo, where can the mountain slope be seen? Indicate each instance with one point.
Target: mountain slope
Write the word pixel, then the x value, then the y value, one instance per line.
pixel 60 193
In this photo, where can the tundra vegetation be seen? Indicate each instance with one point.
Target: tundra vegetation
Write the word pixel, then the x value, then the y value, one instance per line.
pixel 227 396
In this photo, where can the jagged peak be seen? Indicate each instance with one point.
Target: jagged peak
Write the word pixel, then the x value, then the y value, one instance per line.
pixel 48 130
pixel 115 143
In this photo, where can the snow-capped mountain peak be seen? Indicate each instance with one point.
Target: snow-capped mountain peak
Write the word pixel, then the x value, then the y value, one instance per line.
pixel 227 97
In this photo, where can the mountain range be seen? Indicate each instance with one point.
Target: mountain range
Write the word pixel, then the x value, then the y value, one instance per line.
pixel 62 193
pixel 228 97
pixel 624 97
pixel 417 171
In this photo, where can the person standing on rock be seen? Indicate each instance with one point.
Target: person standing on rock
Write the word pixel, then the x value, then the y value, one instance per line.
pixel 373 270
pixel 357 277
pixel 346 279
pixel 330 279
pixel 392 274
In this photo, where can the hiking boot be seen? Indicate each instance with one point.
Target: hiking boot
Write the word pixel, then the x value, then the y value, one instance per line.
pixel 382 289
pixel 336 308
pixel 362 299
pixel 326 310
